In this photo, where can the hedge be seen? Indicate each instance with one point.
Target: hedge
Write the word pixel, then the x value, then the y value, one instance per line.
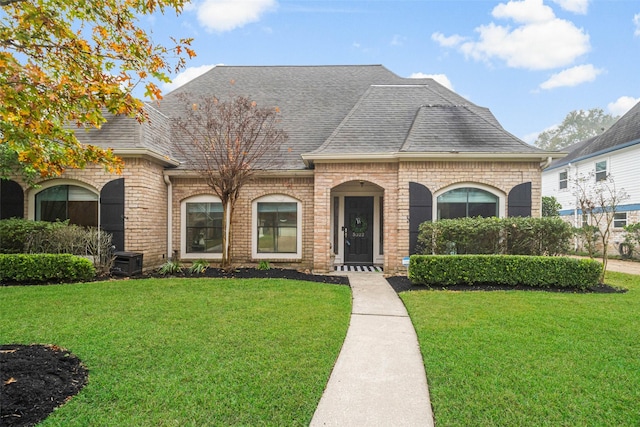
pixel 42 268
pixel 506 236
pixel 509 270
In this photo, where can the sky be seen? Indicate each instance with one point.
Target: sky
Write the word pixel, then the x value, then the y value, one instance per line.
pixel 531 62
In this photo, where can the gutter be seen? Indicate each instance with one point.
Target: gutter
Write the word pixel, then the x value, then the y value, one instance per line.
pixel 167 181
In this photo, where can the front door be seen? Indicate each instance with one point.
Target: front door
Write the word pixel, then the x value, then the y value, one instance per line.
pixel 358 230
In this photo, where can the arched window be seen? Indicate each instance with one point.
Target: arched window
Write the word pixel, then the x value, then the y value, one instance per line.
pixel 77 204
pixel 467 202
pixel 201 227
pixel 277 221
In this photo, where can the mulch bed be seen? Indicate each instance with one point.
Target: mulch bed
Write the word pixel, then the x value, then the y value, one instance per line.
pixel 36 379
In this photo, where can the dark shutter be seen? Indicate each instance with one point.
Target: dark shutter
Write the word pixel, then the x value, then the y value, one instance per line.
pixel 420 204
pixel 112 211
pixel 11 200
pixel 520 200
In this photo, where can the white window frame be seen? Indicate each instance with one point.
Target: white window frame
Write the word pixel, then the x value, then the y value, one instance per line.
pixel 502 198
pixel 601 175
pixel 565 180
pixel 617 221
pixel 275 198
pixel 202 198
pixel 54 183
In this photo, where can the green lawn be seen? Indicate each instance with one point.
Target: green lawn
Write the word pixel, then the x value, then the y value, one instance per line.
pixel 518 358
pixel 187 352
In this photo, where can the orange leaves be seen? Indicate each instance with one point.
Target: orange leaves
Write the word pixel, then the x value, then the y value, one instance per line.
pixel 66 61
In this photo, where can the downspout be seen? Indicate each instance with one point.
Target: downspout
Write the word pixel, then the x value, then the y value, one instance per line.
pixel 167 181
pixel 545 163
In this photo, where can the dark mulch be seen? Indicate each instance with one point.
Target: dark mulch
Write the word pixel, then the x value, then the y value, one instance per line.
pixel 402 284
pixel 36 379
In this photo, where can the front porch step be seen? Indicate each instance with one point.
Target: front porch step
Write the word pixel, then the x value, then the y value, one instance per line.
pixel 359 268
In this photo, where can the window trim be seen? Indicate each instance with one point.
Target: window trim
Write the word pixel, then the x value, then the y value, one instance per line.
pixel 201 198
pixel 564 180
pixel 598 174
pixel 54 183
pixel 275 198
pixel 625 219
pixel 502 197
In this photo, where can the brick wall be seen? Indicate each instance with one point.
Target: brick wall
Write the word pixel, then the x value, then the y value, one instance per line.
pixel 300 188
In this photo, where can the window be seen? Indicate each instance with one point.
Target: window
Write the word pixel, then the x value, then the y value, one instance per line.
pixel 601 171
pixel 620 220
pixel 562 184
pixel 203 227
pixel 277 226
pixel 467 202
pixel 67 202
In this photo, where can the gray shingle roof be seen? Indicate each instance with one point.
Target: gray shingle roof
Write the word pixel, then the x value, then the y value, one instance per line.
pixel 623 133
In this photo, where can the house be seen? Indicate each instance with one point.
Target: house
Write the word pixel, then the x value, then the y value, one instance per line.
pixel 614 153
pixel 370 156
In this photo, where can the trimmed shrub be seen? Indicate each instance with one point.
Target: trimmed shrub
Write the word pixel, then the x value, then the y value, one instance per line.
pixel 41 268
pixel 16 232
pixel 512 236
pixel 508 270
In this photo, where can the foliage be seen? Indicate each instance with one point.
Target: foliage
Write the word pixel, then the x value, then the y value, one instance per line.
pixel 227 142
pixel 531 358
pixel 25 236
pixel 264 265
pixel 199 266
pixel 187 352
pixel 577 126
pixel 514 235
pixel 67 63
pixel 598 201
pixel 15 232
pixel 170 267
pixel 632 235
pixel 588 236
pixel 509 270
pixel 550 206
pixel 35 268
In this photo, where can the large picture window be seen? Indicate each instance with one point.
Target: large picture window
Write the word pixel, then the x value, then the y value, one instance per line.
pixel 277 227
pixel 203 227
pixel 67 202
pixel 467 202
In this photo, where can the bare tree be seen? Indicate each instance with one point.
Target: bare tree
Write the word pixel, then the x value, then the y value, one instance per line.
pixel 598 200
pixel 227 142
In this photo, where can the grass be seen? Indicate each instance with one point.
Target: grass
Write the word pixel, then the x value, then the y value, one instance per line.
pixel 187 352
pixel 531 358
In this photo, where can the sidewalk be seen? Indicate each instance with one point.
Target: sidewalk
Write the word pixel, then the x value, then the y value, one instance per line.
pixel 379 377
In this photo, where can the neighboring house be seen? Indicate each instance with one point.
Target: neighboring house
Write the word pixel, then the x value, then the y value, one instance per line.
pixel 615 152
pixel 370 156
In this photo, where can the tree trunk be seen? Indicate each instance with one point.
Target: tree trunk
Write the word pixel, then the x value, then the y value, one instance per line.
pixel 227 213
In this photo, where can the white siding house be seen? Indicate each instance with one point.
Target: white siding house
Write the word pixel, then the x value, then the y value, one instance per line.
pixel 614 153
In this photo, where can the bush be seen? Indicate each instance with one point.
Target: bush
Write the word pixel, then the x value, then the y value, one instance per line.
pixel 513 236
pixel 15 232
pixel 25 236
pixel 41 268
pixel 509 270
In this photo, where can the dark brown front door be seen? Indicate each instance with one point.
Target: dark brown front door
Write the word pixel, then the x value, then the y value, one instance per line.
pixel 358 230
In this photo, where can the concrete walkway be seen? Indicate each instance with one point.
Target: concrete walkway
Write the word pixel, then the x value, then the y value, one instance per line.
pixel 379 377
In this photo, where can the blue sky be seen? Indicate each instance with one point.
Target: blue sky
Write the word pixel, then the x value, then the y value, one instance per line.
pixel 530 61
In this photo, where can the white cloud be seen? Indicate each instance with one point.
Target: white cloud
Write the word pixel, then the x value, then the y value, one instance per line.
pixel 636 21
pixel 572 77
pixel 187 75
pixel 397 40
pixel 227 15
pixel 621 105
pixel 541 41
pixel 445 41
pixel 576 6
pixel 440 78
